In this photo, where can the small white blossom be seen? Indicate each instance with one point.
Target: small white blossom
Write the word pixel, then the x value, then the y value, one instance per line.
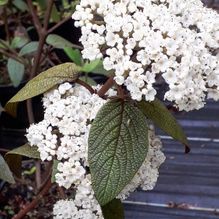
pixel 176 39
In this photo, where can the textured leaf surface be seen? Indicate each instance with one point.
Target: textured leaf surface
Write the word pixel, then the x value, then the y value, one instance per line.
pixel 14 157
pixel 160 115
pixel 16 71
pixel 113 210
pixel 118 144
pixel 47 80
pixel 5 173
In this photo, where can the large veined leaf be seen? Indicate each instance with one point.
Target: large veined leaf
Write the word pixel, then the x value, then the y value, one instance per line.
pixel 16 71
pixel 5 173
pixel 113 210
pixel 14 157
pixel 160 115
pixel 45 81
pixel 118 144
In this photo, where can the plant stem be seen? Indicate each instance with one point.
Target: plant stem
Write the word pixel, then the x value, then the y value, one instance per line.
pixel 59 24
pixel 13 56
pixel 30 206
pixel 84 84
pixel 109 83
pixel 5 17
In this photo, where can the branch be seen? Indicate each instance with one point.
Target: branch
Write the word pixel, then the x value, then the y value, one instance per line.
pixel 84 84
pixel 36 19
pixel 30 206
pixel 58 24
pixel 109 83
pixel 13 56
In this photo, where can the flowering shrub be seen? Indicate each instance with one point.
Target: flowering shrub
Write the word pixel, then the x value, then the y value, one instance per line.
pixel 101 139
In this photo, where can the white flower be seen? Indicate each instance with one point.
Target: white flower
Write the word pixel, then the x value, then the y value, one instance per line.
pixel 176 39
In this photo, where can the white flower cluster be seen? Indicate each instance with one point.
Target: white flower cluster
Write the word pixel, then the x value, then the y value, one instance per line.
pixel 144 39
pixel 63 135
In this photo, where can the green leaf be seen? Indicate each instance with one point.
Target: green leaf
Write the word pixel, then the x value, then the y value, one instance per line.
pixel 19 42
pixel 161 116
pixel 74 55
pixel 88 80
pixel 113 210
pixel 46 81
pixel 58 41
pixel 16 71
pixel 21 5
pixel 55 15
pixel 54 170
pixel 118 144
pixel 91 66
pixel 3 2
pixel 25 150
pixel 29 48
pixel 14 157
pixel 42 4
pixel 5 172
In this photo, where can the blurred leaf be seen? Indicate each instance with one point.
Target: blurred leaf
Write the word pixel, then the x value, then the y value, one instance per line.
pixel 117 147
pixel 67 72
pixel 54 170
pixel 74 55
pixel 157 112
pixel 29 48
pixel 4 44
pixel 30 172
pixel 113 210
pixel 88 80
pixel 58 41
pixel 3 2
pixel 14 157
pixel 16 71
pixel 55 16
pixel 90 66
pixel 11 109
pixel 19 42
pixel 20 4
pixel 5 172
pixel 42 4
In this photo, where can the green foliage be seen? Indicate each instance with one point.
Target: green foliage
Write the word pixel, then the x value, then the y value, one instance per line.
pixel 88 80
pixel 29 48
pixel 113 210
pixel 46 81
pixel 5 173
pixel 160 115
pixel 58 42
pixel 16 71
pixel 74 55
pixel 118 145
pixel 19 42
pixel 54 170
pixel 3 2
pixel 21 5
pixel 14 157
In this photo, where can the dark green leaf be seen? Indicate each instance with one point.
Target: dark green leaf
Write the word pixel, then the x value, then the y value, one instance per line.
pixel 5 173
pixel 47 80
pixel 161 116
pixel 16 71
pixel 118 144
pixel 42 4
pixel 58 41
pixel 74 55
pixel 14 157
pixel 54 170
pixel 19 42
pixel 21 5
pixel 29 48
pixel 113 210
